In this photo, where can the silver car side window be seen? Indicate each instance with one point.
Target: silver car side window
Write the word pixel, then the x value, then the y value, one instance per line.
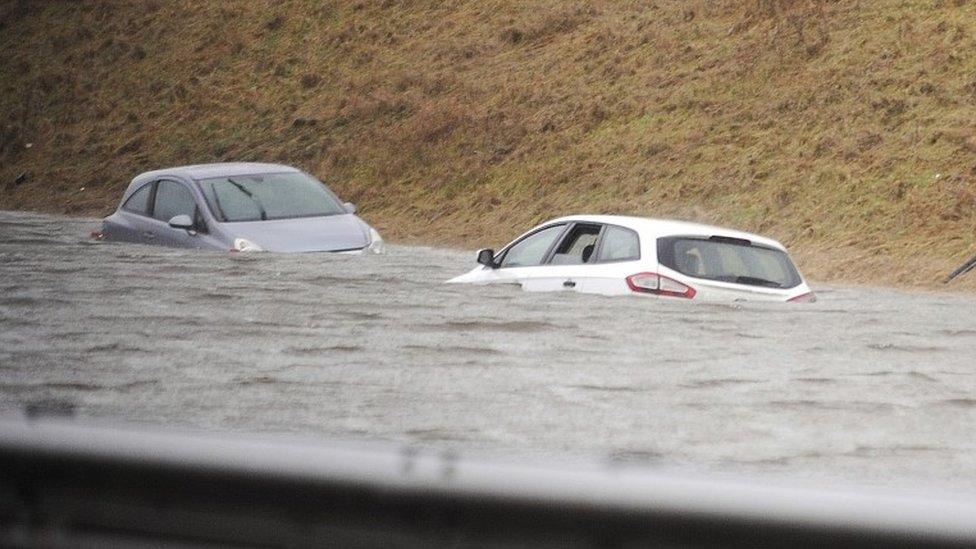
pixel 173 199
pixel 138 202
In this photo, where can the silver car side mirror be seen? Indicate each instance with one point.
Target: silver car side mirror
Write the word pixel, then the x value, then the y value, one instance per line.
pixel 181 221
pixel 350 207
pixel 486 257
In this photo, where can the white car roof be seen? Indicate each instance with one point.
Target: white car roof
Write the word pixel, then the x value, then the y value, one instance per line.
pixel 655 228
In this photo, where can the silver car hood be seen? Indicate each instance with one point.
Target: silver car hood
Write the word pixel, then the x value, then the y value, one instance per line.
pixel 305 234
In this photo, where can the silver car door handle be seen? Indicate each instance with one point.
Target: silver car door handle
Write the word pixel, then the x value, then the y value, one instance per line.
pixel 149 234
pixel 569 284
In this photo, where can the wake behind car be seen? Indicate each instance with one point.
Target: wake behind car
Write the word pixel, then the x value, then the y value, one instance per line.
pixel 239 207
pixel 607 254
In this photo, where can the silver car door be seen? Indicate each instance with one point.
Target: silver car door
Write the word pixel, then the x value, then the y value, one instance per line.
pixel 174 198
pixel 133 222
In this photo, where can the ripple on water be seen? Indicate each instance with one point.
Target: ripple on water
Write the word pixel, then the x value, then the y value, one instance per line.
pixel 314 351
pixel 817 380
pixel 354 315
pixel 218 296
pixel 853 405
pixel 957 333
pixel 28 241
pixel 29 301
pixel 910 374
pixel 635 456
pixel 439 435
pixel 609 388
pixel 263 380
pixel 331 280
pixel 904 348
pixel 713 383
pixel 84 386
pixel 14 322
pixel 454 349
pixel 519 326
pixel 115 348
pixel 958 402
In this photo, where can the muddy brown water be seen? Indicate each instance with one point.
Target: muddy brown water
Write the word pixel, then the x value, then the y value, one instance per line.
pixel 868 385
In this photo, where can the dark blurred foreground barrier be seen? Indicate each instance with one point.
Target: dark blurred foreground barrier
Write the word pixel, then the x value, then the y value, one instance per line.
pixel 65 485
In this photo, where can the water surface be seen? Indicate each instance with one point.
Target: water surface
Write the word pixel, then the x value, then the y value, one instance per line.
pixel 869 386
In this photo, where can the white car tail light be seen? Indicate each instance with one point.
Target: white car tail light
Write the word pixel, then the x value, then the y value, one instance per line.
pixel 653 283
pixel 808 297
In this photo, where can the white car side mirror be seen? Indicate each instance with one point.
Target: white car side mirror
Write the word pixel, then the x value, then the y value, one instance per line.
pixel 486 257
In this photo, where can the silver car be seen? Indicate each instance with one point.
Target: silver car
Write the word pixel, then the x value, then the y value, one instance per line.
pixel 240 207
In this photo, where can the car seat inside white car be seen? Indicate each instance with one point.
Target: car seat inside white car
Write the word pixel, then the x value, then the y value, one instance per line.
pixel 578 246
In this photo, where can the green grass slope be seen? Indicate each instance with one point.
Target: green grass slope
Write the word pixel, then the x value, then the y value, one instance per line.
pixel 846 129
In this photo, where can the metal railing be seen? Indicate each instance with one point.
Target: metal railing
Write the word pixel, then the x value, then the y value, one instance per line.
pixel 69 485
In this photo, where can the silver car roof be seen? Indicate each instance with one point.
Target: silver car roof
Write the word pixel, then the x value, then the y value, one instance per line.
pixel 204 171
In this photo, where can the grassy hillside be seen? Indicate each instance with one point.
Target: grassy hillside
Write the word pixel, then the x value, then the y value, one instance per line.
pixel 846 129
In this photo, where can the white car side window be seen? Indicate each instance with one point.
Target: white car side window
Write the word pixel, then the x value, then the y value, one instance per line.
pixel 577 247
pixel 531 250
pixel 619 244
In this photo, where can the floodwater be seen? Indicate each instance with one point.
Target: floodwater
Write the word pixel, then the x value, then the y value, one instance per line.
pixel 867 385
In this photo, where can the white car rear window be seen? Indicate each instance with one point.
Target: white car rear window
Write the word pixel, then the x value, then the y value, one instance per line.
pixel 728 260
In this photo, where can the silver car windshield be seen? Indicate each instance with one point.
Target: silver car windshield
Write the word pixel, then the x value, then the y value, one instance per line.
pixel 728 260
pixel 268 196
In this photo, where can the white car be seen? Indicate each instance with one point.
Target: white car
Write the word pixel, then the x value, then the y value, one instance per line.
pixel 609 254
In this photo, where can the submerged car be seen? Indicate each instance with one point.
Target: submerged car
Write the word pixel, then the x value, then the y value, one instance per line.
pixel 240 207
pixel 607 254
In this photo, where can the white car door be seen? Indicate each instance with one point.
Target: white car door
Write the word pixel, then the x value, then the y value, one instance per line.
pixel 617 256
pixel 567 263
pixel 522 262
pixel 573 256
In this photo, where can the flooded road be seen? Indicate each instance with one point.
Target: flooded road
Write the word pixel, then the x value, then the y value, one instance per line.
pixel 869 386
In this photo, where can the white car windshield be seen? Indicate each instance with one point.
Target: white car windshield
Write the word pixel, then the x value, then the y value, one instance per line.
pixel 268 196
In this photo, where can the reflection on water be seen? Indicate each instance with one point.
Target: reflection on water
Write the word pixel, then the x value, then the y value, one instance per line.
pixel 869 385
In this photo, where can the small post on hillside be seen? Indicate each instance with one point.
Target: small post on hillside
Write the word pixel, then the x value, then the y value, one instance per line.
pixel 963 269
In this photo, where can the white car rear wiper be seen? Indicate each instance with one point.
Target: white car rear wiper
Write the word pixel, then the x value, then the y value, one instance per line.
pixel 756 281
